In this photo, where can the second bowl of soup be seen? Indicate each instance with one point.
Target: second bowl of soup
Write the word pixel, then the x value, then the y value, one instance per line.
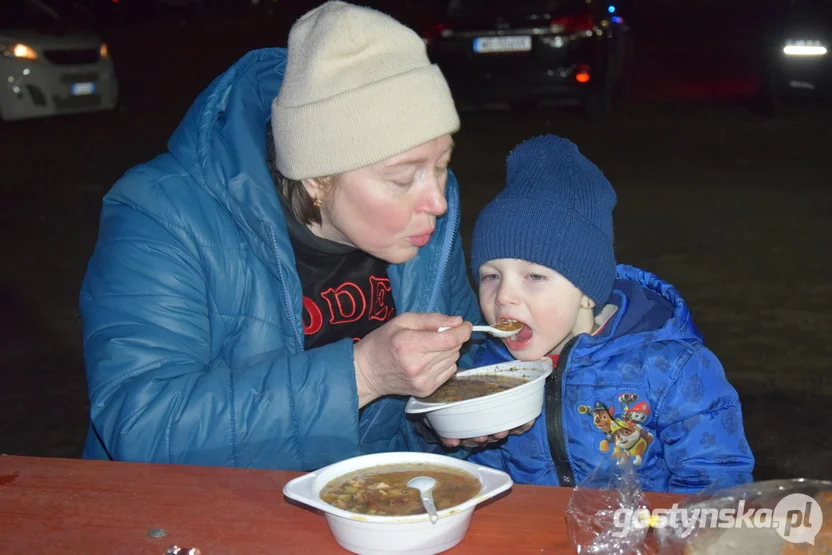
pixel 486 400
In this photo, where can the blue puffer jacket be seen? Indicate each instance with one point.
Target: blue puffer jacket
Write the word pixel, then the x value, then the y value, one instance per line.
pixel 192 306
pixel 645 384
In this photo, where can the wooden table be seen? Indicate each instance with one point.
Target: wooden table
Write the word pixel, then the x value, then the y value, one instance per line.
pixel 76 506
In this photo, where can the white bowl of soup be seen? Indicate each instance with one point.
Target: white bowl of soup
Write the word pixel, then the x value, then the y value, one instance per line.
pixel 486 400
pixel 370 510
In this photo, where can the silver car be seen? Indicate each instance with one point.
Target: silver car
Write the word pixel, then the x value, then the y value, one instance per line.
pixel 48 67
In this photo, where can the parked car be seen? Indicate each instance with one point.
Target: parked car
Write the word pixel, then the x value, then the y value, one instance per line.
pixel 526 51
pixel 798 51
pixel 49 67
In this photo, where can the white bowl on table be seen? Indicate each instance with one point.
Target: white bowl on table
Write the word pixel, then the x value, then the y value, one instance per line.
pixel 492 413
pixel 414 534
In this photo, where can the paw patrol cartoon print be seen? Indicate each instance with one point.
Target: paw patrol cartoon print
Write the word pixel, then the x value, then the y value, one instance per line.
pixel 638 412
pixel 624 435
pixel 630 439
pixel 602 416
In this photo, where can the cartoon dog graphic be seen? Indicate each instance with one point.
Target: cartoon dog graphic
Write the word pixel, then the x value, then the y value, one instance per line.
pixel 602 417
pixel 630 439
pixel 637 413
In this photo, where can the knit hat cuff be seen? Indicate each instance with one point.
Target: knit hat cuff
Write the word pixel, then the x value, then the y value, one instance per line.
pixel 331 136
pixel 574 248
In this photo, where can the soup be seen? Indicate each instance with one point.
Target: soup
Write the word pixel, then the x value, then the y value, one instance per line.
pixel 383 491
pixel 509 325
pixel 463 388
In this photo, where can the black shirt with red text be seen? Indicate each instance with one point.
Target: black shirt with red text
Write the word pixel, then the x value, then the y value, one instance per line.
pixel 346 292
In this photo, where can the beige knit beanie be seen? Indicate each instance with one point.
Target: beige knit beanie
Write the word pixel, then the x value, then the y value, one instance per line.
pixel 358 88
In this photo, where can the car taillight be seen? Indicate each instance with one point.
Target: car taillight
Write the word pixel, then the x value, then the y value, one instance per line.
pixel 572 24
pixel 436 31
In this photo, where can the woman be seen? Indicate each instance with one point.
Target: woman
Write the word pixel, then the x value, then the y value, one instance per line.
pixel 239 316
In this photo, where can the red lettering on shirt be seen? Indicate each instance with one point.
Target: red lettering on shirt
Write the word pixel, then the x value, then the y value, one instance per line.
pixel 378 307
pixel 346 303
pixel 316 318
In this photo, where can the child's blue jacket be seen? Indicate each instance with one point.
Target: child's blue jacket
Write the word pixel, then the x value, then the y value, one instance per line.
pixel 653 389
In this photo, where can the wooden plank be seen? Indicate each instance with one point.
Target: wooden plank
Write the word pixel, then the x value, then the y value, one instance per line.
pixel 76 506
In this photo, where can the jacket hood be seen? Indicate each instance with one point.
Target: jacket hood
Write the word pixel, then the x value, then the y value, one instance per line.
pixel 221 143
pixel 650 310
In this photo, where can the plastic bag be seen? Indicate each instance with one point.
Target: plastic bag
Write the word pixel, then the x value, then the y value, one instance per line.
pixel 777 517
pixel 608 512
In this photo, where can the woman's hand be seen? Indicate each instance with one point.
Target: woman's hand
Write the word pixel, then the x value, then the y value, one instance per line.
pixel 407 356
pixel 474 442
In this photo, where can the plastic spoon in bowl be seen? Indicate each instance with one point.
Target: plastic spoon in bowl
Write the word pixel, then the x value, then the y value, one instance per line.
pixel 501 330
pixel 425 485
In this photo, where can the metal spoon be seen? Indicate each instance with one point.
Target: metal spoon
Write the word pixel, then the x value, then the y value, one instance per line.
pixel 425 485
pixel 493 330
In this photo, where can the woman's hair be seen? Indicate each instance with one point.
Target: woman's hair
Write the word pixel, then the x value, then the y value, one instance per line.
pixel 293 192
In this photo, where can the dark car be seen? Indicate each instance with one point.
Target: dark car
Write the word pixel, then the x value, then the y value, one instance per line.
pixel 527 51
pixel 798 58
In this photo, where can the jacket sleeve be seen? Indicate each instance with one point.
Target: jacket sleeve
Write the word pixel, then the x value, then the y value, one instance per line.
pixel 492 457
pixel 701 428
pixel 160 391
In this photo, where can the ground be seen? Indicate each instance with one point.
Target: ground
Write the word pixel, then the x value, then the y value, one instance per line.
pixel 731 207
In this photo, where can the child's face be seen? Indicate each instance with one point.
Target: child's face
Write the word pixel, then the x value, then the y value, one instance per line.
pixel 542 299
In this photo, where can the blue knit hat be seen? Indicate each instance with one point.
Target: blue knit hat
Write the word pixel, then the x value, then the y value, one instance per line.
pixel 556 211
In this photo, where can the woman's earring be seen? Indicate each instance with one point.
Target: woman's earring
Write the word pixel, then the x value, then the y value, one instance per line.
pixel 317 202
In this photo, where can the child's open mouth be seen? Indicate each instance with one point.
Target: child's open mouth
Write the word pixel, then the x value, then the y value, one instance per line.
pixel 519 340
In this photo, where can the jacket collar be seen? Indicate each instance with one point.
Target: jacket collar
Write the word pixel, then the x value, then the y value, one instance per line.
pixel 649 310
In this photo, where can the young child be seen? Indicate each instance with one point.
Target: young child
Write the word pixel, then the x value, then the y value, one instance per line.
pixel 632 377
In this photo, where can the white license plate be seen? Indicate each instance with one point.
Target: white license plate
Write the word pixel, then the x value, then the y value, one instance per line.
pixel 802 85
pixel 486 45
pixel 83 89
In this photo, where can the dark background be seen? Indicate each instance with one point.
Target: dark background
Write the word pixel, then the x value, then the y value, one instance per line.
pixel 731 207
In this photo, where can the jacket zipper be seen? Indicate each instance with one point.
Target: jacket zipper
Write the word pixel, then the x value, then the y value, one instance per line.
pixel 287 300
pixel 447 247
pixel 554 418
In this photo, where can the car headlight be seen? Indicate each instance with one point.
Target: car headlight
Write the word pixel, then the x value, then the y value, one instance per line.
pixel 804 48
pixel 19 50
pixel 103 51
